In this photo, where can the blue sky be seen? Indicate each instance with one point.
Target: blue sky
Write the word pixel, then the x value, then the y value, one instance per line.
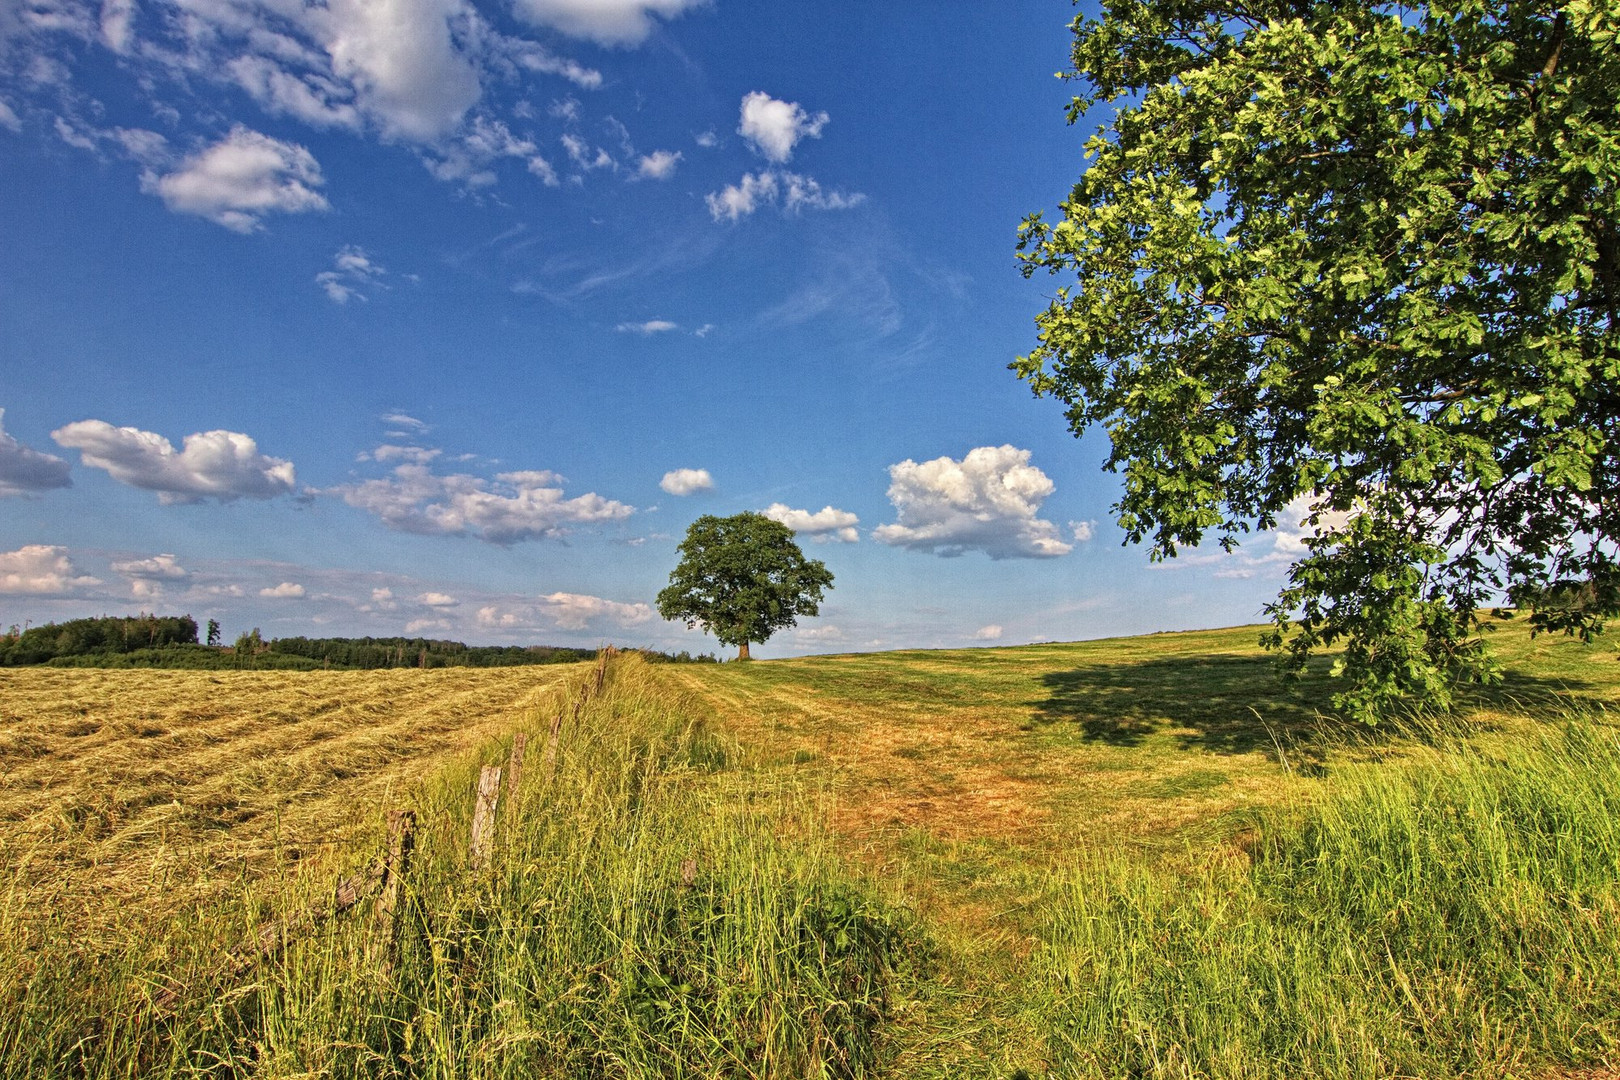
pixel 446 317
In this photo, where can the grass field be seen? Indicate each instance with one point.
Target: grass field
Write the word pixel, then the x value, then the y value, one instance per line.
pixel 128 795
pixel 1112 852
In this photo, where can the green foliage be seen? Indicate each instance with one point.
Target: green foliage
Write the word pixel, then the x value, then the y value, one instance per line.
pixel 742 578
pixel 368 652
pixel 1362 259
pixel 1456 915
pixel 103 635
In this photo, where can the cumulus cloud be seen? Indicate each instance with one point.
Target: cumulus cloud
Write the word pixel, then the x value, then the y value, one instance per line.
pixel 648 328
pixel 516 506
pixel 148 576
pixel 1082 531
pixel 608 22
pixel 416 626
pixel 40 570
pixel 404 64
pixel 773 128
pixel 353 273
pixel 770 186
pixel 221 465
pixel 986 502
pixel 987 633
pixel 238 180
pixel 686 481
pixel 826 524
pixel 287 590
pixel 493 618
pixel 574 611
pixel 437 599
pixel 24 471
pixel 658 165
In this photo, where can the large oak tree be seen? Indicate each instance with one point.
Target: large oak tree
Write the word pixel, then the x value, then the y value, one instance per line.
pixel 742 578
pixel 1362 259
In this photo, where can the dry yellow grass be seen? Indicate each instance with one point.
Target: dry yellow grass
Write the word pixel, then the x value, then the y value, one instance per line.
pixel 128 795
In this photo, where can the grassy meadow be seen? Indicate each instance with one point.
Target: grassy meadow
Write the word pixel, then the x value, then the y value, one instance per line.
pixel 1138 857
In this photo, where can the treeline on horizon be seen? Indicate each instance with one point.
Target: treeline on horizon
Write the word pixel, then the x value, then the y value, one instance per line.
pixel 170 641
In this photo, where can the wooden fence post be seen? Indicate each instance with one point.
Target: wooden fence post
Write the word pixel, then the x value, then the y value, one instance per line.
pixel 396 865
pixel 549 761
pixel 483 822
pixel 514 773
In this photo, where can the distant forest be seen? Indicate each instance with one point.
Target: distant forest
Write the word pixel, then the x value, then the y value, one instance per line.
pixel 170 641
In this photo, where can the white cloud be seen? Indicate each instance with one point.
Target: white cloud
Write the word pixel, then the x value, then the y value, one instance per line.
pixel 493 618
pixel 826 524
pixel 686 481
pixel 8 117
pixel 659 165
pixel 586 156
pixel 156 568
pixel 707 139
pixel 287 590
pixel 239 179
pixel 309 97
pixel 795 192
pixel 516 506
pixel 416 455
pixel 221 465
pixel 574 611
pixel 987 633
pixel 534 58
pixel 827 633
pixel 985 502
pixel 147 577
pixel 40 570
pixel 117 18
pixel 437 599
pixel 353 271
pixel 774 127
pixel 401 420
pixel 24 471
pixel 416 626
pixel 405 66
pixel 608 22
pixel 651 326
pixel 1082 531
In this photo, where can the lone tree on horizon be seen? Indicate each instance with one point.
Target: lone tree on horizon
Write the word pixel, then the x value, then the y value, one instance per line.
pixel 742 578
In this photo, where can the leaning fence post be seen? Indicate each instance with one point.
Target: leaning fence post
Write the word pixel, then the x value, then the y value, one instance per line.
pixel 483 822
pixel 401 840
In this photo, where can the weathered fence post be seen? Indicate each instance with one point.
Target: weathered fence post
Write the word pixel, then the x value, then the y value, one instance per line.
pixel 549 761
pixel 514 770
pixel 483 822
pixel 401 840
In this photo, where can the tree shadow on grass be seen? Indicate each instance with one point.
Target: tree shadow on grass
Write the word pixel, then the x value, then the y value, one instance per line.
pixel 1227 704
pixel 1237 705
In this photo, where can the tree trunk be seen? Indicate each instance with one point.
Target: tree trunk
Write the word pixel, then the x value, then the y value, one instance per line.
pixel 742 652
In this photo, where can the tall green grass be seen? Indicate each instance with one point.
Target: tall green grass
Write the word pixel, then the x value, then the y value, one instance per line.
pixel 1456 913
pixel 646 914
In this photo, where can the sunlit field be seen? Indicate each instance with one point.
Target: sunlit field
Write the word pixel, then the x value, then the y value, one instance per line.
pixel 1139 857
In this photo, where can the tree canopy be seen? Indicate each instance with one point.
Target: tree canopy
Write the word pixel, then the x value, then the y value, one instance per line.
pixel 1360 261
pixel 742 578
